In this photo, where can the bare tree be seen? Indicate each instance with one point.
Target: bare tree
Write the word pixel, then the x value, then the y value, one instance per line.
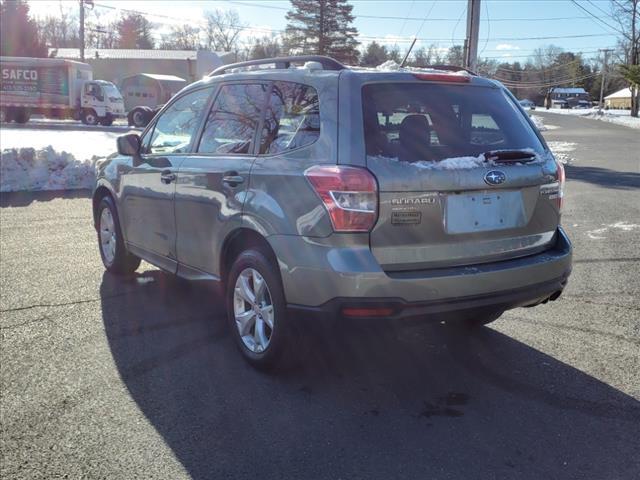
pixel 182 37
pixel 223 30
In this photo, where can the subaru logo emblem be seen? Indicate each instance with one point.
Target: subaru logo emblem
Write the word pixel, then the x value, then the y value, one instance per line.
pixel 495 177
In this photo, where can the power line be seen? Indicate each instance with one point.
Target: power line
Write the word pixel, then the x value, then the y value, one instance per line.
pixel 595 16
pixel 414 19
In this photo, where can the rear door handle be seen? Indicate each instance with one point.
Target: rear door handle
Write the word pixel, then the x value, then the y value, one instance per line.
pixel 232 178
pixel 167 177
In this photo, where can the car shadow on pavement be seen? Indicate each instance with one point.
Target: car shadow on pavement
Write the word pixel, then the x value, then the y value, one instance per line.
pixel 22 199
pixel 419 402
pixel 604 177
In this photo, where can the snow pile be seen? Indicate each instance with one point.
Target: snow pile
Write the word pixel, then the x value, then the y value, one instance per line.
pixel 539 123
pixel 392 66
pixel 44 169
pixel 561 151
pixel 619 117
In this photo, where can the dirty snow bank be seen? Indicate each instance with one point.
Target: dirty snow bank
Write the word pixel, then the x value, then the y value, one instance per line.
pixel 619 117
pixel 44 169
pixel 561 151
pixel 539 123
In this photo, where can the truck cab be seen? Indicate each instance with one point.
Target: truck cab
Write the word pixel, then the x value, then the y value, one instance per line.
pixel 101 101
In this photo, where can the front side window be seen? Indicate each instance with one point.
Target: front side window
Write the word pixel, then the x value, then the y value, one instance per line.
pixel 292 119
pixel 177 125
pixel 233 120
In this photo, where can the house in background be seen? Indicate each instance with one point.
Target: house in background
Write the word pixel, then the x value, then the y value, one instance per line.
pixel 115 64
pixel 571 95
pixel 620 99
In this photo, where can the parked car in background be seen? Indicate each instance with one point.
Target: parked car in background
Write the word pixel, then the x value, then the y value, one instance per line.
pixel 526 103
pixel 583 104
pixel 425 195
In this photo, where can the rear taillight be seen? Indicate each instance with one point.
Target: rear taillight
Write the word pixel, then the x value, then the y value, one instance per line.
pixel 561 180
pixel 350 195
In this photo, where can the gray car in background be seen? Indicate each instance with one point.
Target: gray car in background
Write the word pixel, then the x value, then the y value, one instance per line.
pixel 314 191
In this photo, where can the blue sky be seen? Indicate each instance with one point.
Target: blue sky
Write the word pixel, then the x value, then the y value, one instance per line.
pixel 509 29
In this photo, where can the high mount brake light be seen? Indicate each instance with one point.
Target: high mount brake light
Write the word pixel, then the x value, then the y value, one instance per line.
pixel 350 195
pixel 442 77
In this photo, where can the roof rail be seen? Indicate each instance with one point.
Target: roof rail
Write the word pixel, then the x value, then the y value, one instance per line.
pixel 327 63
pixel 452 68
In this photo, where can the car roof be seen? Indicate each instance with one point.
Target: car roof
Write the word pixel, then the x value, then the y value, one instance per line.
pixel 314 72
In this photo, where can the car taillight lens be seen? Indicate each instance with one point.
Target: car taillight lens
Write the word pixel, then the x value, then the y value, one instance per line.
pixel 561 180
pixel 350 195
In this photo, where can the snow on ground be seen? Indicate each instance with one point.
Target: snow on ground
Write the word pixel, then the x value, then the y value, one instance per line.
pixel 82 145
pixel 54 159
pixel 561 151
pixel 619 117
pixel 539 123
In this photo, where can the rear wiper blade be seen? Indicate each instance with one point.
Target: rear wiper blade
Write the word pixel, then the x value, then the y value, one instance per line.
pixel 510 156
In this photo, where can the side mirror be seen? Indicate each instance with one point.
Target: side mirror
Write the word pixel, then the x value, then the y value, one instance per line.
pixel 129 144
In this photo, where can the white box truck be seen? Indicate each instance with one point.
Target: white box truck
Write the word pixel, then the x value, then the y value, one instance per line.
pixel 56 88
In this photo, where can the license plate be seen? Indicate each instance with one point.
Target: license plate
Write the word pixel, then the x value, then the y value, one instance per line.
pixel 483 211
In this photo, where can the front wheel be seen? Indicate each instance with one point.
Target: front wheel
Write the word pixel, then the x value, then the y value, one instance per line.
pixel 256 309
pixel 113 251
pixel 89 117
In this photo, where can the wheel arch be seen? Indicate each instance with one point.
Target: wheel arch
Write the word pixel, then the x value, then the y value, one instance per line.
pixel 99 193
pixel 238 241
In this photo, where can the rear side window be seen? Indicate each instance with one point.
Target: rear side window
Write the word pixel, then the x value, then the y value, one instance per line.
pixel 177 125
pixel 292 119
pixel 431 122
pixel 233 120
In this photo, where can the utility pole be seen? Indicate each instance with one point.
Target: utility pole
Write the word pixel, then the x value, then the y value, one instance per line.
pixel 603 76
pixel 471 41
pixel 82 30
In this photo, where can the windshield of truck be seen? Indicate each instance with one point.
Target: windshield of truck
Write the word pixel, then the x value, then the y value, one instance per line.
pixel 432 122
pixel 112 91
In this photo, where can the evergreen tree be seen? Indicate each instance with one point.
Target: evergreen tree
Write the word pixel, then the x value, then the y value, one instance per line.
pixel 322 27
pixel 19 36
pixel 134 31
pixel 374 55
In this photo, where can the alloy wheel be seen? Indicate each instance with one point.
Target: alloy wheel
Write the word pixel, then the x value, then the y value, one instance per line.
pixel 253 310
pixel 107 236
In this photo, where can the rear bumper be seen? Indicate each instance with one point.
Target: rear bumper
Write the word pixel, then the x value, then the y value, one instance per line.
pixel 321 280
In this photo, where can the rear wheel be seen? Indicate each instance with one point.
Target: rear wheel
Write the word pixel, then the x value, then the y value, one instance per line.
pixel 22 115
pixel 140 117
pixel 89 117
pixel 256 309
pixel 113 251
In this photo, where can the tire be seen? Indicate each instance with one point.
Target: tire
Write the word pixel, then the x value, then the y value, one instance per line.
pixel 106 121
pixel 113 251
pixel 267 315
pixel 21 115
pixel 89 117
pixel 140 117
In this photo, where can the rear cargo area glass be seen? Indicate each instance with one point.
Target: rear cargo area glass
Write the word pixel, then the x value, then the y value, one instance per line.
pixel 429 122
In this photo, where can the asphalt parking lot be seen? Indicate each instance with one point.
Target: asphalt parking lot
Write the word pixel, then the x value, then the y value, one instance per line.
pixel 107 378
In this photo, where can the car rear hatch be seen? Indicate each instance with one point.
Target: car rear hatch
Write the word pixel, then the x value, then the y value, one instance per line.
pixel 463 178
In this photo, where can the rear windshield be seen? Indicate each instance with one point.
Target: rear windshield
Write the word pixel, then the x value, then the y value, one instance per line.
pixel 432 122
